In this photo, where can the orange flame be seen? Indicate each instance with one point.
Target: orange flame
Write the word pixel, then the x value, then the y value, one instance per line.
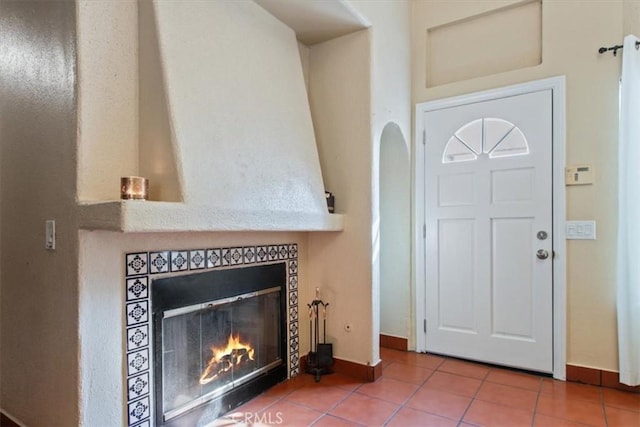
pixel 224 358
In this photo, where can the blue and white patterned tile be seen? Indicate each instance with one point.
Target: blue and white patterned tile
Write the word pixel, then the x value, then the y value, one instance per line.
pixel 236 256
pixel 293 298
pixel 293 329
pixel 249 254
pixel 159 262
pixel 137 337
pixel 214 258
pixel 293 283
pixel 283 252
pixel 262 253
pixel 137 386
pixel 137 263
pixel 139 410
pixel 293 266
pixel 272 253
pixel 146 423
pixel 294 358
pixel 294 345
pixel 137 312
pixel 197 259
pixel 293 313
pixel 179 261
pixel 137 288
pixel 293 250
pixel 226 257
pixel 137 361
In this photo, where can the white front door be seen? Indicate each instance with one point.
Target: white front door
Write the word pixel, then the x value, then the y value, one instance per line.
pixel 489 238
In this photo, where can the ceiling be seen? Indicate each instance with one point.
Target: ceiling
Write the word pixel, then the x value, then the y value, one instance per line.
pixel 316 21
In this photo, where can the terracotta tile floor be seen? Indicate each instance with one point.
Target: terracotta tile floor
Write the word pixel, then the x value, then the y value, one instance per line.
pixel 426 390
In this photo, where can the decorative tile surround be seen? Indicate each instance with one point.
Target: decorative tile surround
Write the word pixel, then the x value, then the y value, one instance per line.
pixel 142 266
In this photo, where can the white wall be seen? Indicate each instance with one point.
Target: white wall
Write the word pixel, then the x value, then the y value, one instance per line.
pixel 358 84
pixel 390 103
pixel 395 233
pixel 39 316
pixel 238 107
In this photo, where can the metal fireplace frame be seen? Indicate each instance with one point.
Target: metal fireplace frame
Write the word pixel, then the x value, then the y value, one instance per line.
pixel 168 294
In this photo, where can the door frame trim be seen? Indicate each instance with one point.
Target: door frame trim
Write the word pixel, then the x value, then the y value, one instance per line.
pixel 557 87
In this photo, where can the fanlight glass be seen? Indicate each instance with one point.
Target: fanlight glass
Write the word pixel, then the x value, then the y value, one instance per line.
pixel 491 136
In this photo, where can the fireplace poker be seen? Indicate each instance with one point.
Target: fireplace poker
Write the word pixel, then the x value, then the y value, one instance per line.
pixel 317 337
pixel 310 328
pixel 324 322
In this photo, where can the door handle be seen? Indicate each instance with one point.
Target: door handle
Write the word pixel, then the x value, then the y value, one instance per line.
pixel 542 254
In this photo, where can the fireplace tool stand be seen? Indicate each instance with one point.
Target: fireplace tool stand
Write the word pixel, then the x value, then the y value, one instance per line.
pixel 320 357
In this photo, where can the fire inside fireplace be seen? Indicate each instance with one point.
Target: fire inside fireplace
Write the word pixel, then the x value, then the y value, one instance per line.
pixel 219 340
pixel 224 359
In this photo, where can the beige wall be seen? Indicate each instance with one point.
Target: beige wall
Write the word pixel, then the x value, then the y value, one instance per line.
pixel 572 33
pixel 39 313
pixel 340 263
pixel 631 17
pixel 108 99
pixel 390 90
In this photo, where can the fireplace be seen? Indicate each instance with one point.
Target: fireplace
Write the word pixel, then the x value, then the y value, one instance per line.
pixel 219 340
pixel 222 327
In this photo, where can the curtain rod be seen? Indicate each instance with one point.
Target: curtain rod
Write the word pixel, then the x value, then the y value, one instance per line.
pixel 615 48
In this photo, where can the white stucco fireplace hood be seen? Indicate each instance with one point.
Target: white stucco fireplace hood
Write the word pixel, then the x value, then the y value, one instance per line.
pixel 225 130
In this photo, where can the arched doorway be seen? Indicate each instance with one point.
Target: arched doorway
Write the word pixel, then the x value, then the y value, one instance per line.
pixel 395 238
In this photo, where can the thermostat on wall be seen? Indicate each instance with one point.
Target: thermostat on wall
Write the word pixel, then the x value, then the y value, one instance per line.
pixel 579 175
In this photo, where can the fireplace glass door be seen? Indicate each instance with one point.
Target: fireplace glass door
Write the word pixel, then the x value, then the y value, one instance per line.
pixel 210 348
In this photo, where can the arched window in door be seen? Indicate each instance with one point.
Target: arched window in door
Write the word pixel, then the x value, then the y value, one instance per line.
pixel 487 136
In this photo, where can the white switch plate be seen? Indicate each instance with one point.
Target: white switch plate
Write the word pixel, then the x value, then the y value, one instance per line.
pixel 50 235
pixel 580 230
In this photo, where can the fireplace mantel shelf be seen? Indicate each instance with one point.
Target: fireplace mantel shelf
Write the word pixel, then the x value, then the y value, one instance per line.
pixel 134 216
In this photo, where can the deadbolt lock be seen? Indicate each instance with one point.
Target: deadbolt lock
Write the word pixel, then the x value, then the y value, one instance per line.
pixel 542 254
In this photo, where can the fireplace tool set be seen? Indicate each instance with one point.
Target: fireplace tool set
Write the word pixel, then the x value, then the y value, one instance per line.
pixel 320 357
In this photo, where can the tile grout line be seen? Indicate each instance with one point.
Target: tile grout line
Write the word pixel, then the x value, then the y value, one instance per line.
pixel 473 398
pixel 604 407
pixel 535 407
pixel 402 405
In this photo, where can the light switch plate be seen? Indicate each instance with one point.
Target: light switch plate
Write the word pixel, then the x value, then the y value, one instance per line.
pixel 580 230
pixel 50 235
